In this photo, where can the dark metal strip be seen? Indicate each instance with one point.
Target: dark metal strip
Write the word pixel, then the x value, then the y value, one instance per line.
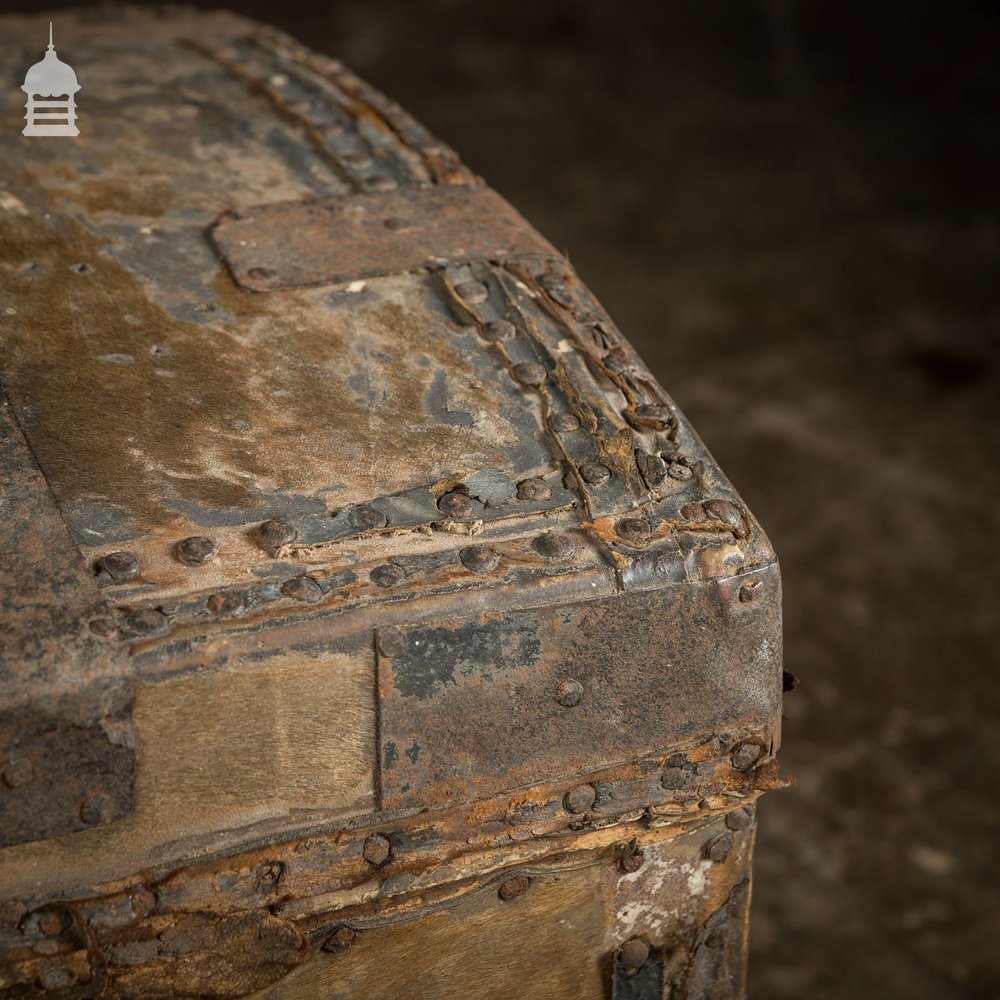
pixel 66 747
pixel 297 244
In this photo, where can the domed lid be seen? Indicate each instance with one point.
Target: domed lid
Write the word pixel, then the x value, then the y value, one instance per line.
pixel 51 76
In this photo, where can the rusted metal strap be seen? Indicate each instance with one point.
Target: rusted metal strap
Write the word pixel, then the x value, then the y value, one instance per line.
pixel 297 244
pixel 66 756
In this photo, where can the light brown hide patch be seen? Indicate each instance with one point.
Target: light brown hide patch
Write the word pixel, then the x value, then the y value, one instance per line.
pixel 270 742
pixel 544 945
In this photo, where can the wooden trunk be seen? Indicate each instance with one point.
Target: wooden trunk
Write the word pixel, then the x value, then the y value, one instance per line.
pixel 373 623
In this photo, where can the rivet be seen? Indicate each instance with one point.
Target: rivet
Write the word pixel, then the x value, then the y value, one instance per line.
pixel 533 491
pixel 17 773
pixel 650 415
pixel 302 588
pixel 679 472
pixel 580 799
pixel 716 938
pixel 273 534
pixel 631 863
pixel 50 924
pixel 387 575
pixel 513 887
pixel 564 423
pixel 81 268
pixel 473 292
pixel 146 621
pixel 569 693
pixel 750 591
pixel 554 545
pixel 718 847
pixel 116 567
pixel 740 819
pixel 530 373
pixel 195 551
pixel 499 329
pixel 745 756
pixel 376 850
pixel 232 603
pixel 634 954
pixel 456 505
pixel 367 518
pixel 391 641
pixel 142 901
pixel 269 875
pixel 479 558
pixel 54 979
pixel 96 809
pixel 595 473
pixel 261 273
pixel 633 529
pixel 342 937
pixel 676 777
pixel 558 289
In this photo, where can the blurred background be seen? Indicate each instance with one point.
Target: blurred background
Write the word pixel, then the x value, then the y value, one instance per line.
pixel 790 209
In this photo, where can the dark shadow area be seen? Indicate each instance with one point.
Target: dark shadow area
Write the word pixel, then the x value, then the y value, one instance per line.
pixel 790 209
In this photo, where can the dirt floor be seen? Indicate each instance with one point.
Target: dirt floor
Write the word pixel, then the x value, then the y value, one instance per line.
pixel 790 208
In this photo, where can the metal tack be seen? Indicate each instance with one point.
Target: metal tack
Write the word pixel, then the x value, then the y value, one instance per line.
pixel 479 559
pixel 530 373
pixel 195 551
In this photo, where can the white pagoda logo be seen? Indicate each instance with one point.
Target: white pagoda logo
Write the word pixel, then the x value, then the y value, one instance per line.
pixel 55 83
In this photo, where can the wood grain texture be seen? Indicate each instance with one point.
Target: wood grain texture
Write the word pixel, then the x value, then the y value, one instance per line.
pixel 546 944
pixel 255 746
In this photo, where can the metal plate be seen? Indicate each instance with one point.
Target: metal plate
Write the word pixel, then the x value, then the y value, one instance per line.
pixel 472 708
pixel 66 757
pixel 296 244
